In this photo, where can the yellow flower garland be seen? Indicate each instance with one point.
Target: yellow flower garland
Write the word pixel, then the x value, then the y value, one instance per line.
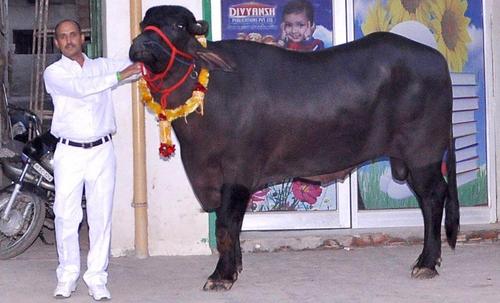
pixel 166 116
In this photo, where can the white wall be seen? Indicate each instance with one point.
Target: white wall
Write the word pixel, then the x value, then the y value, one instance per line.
pixel 177 225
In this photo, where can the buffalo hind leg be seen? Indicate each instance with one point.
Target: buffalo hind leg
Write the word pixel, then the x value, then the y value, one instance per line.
pixel 228 227
pixel 430 189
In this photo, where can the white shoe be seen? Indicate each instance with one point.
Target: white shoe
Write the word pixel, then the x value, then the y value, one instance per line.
pixel 64 289
pixel 99 292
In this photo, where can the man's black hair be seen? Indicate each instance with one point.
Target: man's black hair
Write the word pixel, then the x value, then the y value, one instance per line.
pixel 68 20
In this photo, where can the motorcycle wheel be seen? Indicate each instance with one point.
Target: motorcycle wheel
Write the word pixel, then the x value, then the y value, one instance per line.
pixel 24 225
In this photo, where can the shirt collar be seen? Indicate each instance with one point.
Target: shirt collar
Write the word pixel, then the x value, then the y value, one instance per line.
pixel 70 62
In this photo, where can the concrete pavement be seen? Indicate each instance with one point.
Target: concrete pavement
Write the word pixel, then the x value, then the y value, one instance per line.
pixel 368 274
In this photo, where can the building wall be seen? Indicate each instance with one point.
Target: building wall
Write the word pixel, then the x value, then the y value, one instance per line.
pixel 177 226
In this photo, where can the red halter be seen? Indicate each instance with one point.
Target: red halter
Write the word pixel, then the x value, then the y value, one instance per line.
pixel 154 80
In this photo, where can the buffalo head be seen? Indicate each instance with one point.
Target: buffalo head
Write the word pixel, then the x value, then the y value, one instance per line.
pixel 180 27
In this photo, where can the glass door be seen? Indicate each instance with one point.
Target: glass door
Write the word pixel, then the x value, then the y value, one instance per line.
pixel 370 197
pixel 455 28
pixel 301 26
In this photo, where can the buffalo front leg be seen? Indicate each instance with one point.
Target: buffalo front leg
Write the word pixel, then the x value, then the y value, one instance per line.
pixel 430 189
pixel 228 227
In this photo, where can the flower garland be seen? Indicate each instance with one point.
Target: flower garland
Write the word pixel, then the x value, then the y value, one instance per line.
pixel 166 116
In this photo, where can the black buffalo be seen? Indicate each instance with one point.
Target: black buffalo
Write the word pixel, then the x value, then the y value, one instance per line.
pixel 382 95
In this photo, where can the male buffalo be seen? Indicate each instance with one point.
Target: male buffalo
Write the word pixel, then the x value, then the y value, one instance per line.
pixel 271 114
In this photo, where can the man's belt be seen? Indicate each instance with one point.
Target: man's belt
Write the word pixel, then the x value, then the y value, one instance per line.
pixel 86 144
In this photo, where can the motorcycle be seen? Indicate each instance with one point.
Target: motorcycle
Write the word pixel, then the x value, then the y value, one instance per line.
pixel 27 202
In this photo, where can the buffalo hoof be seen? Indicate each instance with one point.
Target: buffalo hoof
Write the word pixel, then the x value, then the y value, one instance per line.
pixel 218 285
pixel 423 273
pixel 438 261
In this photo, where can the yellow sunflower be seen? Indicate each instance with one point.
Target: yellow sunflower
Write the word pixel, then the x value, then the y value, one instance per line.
pixel 450 29
pixel 377 20
pixel 405 10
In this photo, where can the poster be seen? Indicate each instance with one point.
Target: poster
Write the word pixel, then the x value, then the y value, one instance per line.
pixel 264 21
pixel 455 28
pixel 299 25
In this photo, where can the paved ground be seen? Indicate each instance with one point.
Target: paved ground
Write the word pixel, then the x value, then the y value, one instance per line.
pixel 369 274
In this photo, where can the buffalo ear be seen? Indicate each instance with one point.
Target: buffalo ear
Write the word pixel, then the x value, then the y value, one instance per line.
pixel 199 27
pixel 214 61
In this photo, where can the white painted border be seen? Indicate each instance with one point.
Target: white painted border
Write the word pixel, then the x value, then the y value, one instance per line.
pixel 490 109
pixel 339 22
pixel 349 19
pixel 291 220
pixel 413 217
pixel 216 20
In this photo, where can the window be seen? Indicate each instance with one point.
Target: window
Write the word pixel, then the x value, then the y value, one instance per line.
pixel 23 40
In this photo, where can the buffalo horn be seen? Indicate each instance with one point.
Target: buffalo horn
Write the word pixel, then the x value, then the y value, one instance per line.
pixel 199 27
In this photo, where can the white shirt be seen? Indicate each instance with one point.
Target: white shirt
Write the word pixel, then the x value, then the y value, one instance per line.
pixel 83 109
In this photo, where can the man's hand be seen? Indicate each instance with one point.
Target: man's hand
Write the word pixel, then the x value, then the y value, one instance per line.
pixel 131 70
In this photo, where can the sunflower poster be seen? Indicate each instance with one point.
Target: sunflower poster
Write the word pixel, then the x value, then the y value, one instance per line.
pixel 455 28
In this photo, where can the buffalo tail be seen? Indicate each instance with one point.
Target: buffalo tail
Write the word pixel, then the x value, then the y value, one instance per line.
pixel 452 208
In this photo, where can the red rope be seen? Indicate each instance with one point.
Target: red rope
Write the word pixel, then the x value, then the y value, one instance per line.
pixel 167 91
pixel 155 81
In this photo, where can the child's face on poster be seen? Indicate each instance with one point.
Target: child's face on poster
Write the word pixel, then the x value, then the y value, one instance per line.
pixel 296 27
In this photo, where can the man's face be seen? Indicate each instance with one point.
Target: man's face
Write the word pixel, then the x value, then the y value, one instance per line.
pixel 69 40
pixel 296 27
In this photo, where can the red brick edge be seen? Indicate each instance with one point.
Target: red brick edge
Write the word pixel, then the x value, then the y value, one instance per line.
pixel 383 239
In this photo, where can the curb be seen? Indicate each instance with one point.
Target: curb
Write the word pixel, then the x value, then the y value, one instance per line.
pixel 276 241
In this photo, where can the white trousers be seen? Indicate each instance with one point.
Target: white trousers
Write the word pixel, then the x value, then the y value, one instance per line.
pixel 74 168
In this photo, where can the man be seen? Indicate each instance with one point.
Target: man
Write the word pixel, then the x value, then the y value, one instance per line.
pixel 83 121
